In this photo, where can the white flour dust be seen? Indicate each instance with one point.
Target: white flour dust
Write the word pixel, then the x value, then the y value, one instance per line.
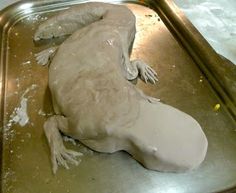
pixel 42 113
pixel 83 149
pixel 20 114
pixel 69 139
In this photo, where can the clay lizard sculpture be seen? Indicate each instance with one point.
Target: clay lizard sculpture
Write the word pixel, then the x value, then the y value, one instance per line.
pixel 95 103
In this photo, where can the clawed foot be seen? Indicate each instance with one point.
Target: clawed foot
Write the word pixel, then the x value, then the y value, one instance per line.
pixel 146 72
pixel 44 56
pixel 62 157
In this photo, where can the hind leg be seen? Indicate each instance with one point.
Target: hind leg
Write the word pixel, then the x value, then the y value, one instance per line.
pixel 135 68
pixel 59 154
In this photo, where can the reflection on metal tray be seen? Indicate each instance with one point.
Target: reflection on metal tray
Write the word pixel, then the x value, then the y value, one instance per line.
pixel 192 77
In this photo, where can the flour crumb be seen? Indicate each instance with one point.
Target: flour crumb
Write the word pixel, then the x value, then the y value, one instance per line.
pixel 32 87
pixel 17 82
pixel 41 112
pixel 27 62
pixel 69 139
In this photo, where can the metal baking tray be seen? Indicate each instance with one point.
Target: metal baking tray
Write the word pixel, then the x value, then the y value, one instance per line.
pixel 192 78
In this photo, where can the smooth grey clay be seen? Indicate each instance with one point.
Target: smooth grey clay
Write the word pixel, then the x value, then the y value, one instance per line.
pixel 95 103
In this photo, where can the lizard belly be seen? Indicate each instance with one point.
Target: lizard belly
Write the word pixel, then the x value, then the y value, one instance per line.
pixel 87 83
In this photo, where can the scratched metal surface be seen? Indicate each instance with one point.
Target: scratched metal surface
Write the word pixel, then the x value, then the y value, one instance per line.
pixel 25 163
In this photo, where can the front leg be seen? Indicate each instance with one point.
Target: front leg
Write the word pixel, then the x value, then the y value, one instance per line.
pixel 130 71
pixel 134 68
pixel 68 21
pixel 45 56
pixel 146 72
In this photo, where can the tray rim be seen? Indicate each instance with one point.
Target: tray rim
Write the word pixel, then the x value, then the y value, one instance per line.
pixel 168 11
pixel 207 59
